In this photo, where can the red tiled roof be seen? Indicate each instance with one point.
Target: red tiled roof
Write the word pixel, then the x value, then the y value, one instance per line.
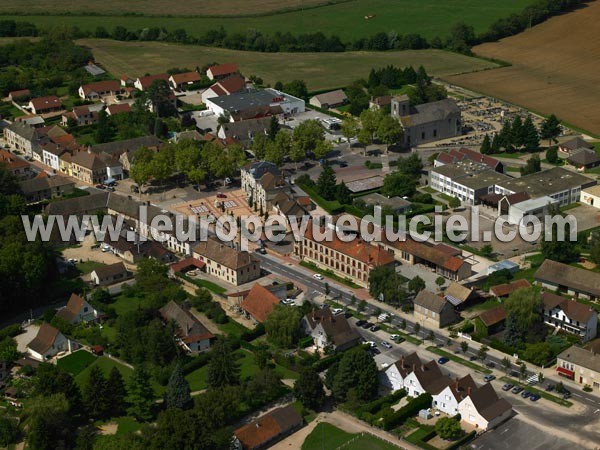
pixel 503 290
pixel 358 249
pixel 493 316
pixel 187 77
pixel 118 108
pixel 52 101
pixel 259 303
pixel 268 427
pixel 149 79
pixel 185 263
pixel 44 339
pixel 222 69
pixel 431 253
pixel 19 93
pixel 102 86
pixel 232 84
pixel 459 154
pixel 11 160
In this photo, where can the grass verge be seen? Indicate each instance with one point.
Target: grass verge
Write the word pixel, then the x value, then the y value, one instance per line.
pixel 540 392
pixel 329 274
pixel 459 360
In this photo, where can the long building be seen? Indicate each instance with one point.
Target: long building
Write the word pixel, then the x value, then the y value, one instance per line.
pixel 352 260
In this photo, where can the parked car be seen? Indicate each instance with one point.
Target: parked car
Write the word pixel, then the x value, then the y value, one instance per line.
pixel 525 394
pixel 221 195
pixel 393 337
pixel 110 188
pixel 100 186
pixel 489 378
pixel 386 344
pixel 534 397
pixel 288 301
pixel 490 364
pixel 516 389
pixel 443 360
pixel 472 358
pixel 374 351
pixel 371 344
pixel 507 387
pixel 367 325
pixel 336 311
pixel 318 276
pixel 261 250
pixel 360 323
pixel 375 328
pixel 549 387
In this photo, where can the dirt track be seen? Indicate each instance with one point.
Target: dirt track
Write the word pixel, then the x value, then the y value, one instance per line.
pixel 555 68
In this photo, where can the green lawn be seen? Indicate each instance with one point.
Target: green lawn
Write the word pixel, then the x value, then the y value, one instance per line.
pixel 327 436
pixel 106 364
pixel 124 304
pixel 430 18
pixel 232 328
pixel 488 304
pixel 85 267
pixel 318 70
pixel 76 362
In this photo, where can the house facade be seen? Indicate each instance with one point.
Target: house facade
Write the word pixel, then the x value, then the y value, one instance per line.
pixel 329 330
pixel 100 89
pixel 484 409
pixel 192 335
pixel 111 274
pixel 78 310
pixel 570 316
pixel 568 279
pixel 581 366
pixel 21 136
pixel 433 310
pixel 48 343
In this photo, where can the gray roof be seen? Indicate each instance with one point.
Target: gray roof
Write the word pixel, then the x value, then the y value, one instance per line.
pixel 547 182
pixel 559 274
pixel 575 143
pixel 110 270
pixel 431 112
pixel 93 69
pixel 22 129
pixel 258 169
pixel 331 98
pixel 583 157
pixel 581 357
pixel 378 199
pixel 430 301
pixel 249 100
pixel 43 183
pixel 127 145
pixel 246 129
pixel 365 184
pixel 72 206
pixel 471 174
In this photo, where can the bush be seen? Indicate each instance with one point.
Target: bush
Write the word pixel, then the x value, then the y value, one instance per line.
pixel 250 335
pixel 10 331
pixel 396 419
pixel 379 405
pixel 327 362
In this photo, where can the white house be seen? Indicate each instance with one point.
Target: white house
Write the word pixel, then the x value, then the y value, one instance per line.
pixel 48 343
pixel 452 394
pixel 570 316
pixel 192 335
pixel 483 408
pixel 395 375
pixel 423 379
pixel 591 196
pixel 111 274
pixel 78 310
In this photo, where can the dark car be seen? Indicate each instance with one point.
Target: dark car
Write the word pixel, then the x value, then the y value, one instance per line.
pixel 490 364
pixel 343 164
pixel 367 325
pixel 534 397
pixel 507 387
pixel 472 358
pixel 374 351
pixel 489 378
pixel 549 387
pixel 525 394
pixel 261 250
pixel 100 186
pixel 375 328
pixel 443 360
pixel 360 323
pixel 516 389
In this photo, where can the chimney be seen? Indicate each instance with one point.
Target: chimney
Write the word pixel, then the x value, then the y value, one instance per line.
pixel 469 390
pixel 414 367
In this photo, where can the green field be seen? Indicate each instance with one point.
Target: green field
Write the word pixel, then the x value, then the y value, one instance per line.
pixel 429 18
pixel 327 436
pixel 106 364
pixel 319 70
pixel 76 362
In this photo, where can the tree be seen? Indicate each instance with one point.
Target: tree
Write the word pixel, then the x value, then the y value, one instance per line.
pixel 561 250
pixel 101 296
pixel 116 392
pixel 259 146
pixel 308 135
pixel 104 130
pixel 541 378
pixel 223 369
pixel 140 395
pixel 464 346
pixel 160 97
pixel 362 305
pixel 516 132
pixel 369 120
pixel 326 183
pixel 440 281
pixel 141 171
pixel 399 184
pixel 411 165
pixel 522 371
pixel 177 394
pixel 454 202
pixel 486 145
pixel 273 128
pixel 506 364
pixel 534 165
pixel 322 148
pixel 49 425
pixel 448 428
pixel 356 375
pixel 417 328
pixel 595 247
pixel 550 129
pixel 308 389
pixel 431 336
pixel 385 284
pixel 524 307
pixel 538 353
pixel 512 333
pixel 482 352
pixel 9 432
pixel 403 324
pixel 94 395
pixel 552 155
pixel 389 130
pixel 343 194
pixel 8 350
pixel 350 128
pixel 279 148
pixel 529 135
pixel 416 285
pixel 297 88
pixel 283 326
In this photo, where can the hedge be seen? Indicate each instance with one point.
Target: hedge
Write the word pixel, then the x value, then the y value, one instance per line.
pixel 466 438
pixel 396 419
pixel 10 331
pixel 327 362
pixel 250 335
pixel 196 363
pixel 376 405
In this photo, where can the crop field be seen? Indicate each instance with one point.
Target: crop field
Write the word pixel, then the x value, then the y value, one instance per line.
pixel 319 70
pixel 555 68
pixel 429 18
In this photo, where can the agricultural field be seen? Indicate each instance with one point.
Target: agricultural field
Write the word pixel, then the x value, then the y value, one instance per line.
pixel 348 19
pixel 554 68
pixel 319 70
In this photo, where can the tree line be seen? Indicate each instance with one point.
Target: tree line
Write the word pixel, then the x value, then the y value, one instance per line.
pixel 461 38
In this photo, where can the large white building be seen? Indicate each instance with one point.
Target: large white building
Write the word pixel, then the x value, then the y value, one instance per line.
pixel 570 316
pixel 254 104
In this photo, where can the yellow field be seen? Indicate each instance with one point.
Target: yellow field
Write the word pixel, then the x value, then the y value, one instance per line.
pixel 319 70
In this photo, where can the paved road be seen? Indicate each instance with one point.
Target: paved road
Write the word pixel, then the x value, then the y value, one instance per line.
pixel 316 287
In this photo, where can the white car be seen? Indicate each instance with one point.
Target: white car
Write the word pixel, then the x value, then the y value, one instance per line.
pixel 337 311
pixel 288 301
pixel 318 276
pixel 393 337
pixel 371 344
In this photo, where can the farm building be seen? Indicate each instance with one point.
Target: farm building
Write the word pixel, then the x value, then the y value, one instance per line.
pixel 584 159
pixel 572 280
pixel 180 80
pixel 45 105
pixel 221 71
pixel 591 196
pixel 226 86
pixel 328 100
pixel 571 145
